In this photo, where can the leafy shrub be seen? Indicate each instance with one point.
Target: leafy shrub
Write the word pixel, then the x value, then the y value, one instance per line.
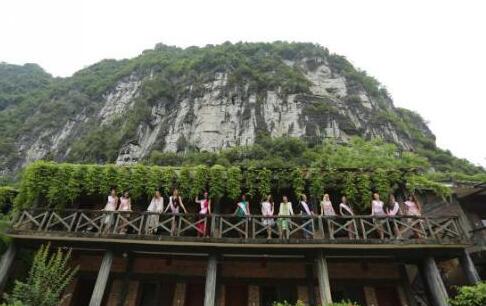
pixel 470 295
pixel 49 275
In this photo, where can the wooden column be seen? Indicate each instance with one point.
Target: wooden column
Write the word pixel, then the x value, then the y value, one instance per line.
pixel 211 274
pixel 126 280
pixel 323 277
pixel 6 263
pixel 407 288
pixel 101 279
pixel 436 286
pixel 469 268
pixel 309 276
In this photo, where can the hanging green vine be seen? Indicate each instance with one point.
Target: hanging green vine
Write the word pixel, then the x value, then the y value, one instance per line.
pixel 153 181
pixel 251 181
pixel 167 180
pixel 298 181
pixel 185 182
pixel 316 188
pixel 57 185
pixel 233 183
pixel 265 182
pixel 363 185
pixel 381 183
pixel 217 177
pixel 200 181
pixel 350 189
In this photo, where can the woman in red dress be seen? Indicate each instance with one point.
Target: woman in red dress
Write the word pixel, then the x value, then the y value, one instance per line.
pixel 205 209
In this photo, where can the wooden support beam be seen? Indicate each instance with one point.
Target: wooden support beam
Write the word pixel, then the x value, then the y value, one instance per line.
pixel 211 274
pixel 469 268
pixel 309 276
pixel 6 264
pixel 101 279
pixel 126 279
pixel 407 287
pixel 323 277
pixel 437 289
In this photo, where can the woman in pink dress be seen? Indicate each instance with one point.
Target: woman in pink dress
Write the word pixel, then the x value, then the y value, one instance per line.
pixel 205 209
pixel 378 210
pixel 328 210
pixel 110 207
pixel 413 208
pixel 268 208
pixel 125 207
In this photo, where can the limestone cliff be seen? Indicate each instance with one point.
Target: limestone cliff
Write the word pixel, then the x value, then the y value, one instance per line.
pixel 122 110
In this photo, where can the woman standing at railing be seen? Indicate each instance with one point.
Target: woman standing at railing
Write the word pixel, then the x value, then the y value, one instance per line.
pixel 392 209
pixel 242 207
pixel 175 203
pixel 378 210
pixel 125 207
pixel 110 207
pixel 346 210
pixel 413 208
pixel 327 209
pixel 306 210
pixel 155 207
pixel 204 209
pixel 268 209
pixel 285 210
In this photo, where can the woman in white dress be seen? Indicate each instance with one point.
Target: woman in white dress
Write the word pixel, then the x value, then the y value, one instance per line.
pixel 125 207
pixel 378 210
pixel 267 213
pixel 346 210
pixel 110 207
pixel 155 208
pixel 392 210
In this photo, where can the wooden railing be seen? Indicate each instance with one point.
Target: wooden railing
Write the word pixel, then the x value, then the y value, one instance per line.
pixel 296 228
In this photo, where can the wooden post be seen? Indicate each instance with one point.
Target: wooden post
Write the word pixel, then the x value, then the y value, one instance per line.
pixel 210 291
pixel 6 263
pixel 469 268
pixel 323 277
pixel 101 279
pixel 407 288
pixel 434 282
pixel 126 280
pixel 309 275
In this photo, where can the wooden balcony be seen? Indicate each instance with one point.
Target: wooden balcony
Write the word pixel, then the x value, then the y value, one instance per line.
pixel 94 228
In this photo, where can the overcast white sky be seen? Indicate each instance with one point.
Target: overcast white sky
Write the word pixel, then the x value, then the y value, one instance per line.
pixel 431 55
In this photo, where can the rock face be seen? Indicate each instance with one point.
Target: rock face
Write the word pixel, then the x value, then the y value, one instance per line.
pixel 217 113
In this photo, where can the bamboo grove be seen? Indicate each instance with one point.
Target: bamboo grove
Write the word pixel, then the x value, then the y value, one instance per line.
pixel 58 185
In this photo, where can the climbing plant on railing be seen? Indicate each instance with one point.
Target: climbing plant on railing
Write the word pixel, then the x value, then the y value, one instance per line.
pixel 233 182
pixel 363 186
pixel 217 177
pixel 264 182
pixel 251 181
pixel 200 180
pixel 381 184
pixel 185 182
pixel 298 181
pixel 349 187
pixel 50 184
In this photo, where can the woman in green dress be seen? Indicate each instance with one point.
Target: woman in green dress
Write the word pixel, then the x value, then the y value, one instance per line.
pixel 285 209
pixel 242 211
